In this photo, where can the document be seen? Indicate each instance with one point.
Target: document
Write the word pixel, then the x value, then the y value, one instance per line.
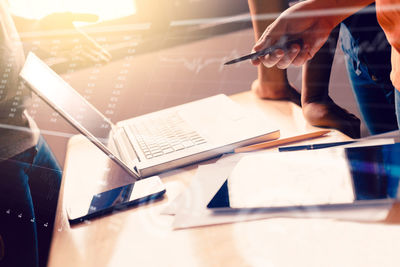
pixel 190 207
pixel 205 184
pixel 291 179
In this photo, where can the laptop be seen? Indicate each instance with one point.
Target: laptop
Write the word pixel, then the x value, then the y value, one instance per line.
pixel 152 143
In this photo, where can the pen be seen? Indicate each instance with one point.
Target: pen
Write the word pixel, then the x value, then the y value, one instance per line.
pixel 282 141
pixel 264 52
pixel 314 146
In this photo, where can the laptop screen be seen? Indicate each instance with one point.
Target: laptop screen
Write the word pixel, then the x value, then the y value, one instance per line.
pixel 69 103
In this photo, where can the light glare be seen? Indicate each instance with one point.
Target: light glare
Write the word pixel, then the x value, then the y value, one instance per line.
pixel 105 9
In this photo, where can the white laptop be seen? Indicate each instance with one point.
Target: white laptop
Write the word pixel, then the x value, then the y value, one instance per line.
pixel 158 141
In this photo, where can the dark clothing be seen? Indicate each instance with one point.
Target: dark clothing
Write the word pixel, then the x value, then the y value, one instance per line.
pixel 368 56
pixel 29 187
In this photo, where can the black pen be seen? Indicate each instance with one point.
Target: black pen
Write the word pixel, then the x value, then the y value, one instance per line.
pixel 314 146
pixel 266 51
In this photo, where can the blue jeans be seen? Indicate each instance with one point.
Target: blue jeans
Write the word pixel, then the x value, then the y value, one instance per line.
pixel 29 187
pixel 397 100
pixel 374 93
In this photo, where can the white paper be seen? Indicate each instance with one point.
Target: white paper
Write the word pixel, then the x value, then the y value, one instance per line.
pixel 291 179
pixel 205 217
pixel 207 181
pixel 190 206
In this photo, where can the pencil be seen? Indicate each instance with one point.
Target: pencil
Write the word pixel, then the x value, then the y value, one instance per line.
pixel 282 141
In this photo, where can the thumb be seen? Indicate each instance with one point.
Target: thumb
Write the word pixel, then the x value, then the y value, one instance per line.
pixel 264 41
pixel 275 33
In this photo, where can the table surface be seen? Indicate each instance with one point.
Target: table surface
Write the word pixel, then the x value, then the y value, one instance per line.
pixel 143 237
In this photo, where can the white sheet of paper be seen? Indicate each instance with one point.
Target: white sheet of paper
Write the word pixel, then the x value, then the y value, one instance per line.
pixel 203 217
pixel 192 212
pixel 291 179
pixel 205 184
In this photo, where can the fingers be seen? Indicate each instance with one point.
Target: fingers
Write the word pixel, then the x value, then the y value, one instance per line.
pixel 297 47
pixel 272 59
pixel 255 62
pixel 284 58
pixel 263 42
pixel 288 51
pixel 289 56
pixel 303 56
pixel 295 54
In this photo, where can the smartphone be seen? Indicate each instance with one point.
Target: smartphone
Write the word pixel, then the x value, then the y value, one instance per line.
pixel 117 199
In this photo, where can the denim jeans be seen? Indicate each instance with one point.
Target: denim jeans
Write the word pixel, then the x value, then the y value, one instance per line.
pixel 29 187
pixel 397 100
pixel 374 93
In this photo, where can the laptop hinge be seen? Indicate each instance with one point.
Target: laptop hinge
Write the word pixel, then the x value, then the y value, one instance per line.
pixel 124 147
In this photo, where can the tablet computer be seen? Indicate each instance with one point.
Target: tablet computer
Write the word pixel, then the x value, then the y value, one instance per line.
pixel 331 178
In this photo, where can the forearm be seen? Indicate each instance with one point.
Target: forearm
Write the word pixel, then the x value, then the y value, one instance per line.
pixel 272 81
pixel 335 11
pixel 318 108
pixel 317 72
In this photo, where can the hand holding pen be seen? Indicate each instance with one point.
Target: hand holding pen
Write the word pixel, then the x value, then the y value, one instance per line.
pixel 272 50
pixel 301 21
pixel 309 21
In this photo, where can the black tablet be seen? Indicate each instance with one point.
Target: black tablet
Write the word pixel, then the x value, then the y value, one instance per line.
pixel 329 179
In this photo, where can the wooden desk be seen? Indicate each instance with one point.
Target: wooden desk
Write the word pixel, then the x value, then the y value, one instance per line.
pixel 143 237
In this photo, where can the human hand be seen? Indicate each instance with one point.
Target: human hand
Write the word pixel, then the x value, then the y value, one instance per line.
pixel 78 45
pixel 298 22
pixel 328 114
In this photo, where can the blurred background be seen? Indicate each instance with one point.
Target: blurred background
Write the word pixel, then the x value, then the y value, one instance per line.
pixel 164 53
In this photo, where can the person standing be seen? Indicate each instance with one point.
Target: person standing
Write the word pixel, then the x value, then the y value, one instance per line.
pixel 312 21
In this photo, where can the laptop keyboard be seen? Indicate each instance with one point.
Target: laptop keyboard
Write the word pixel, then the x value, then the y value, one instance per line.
pixel 164 135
